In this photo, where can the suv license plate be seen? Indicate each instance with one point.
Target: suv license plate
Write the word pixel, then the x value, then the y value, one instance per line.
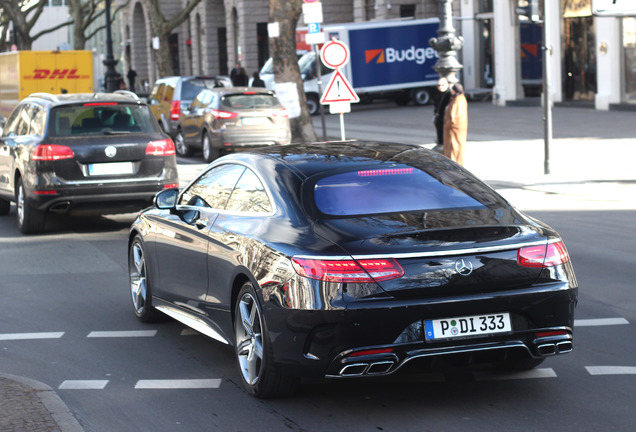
pixel 476 325
pixel 111 168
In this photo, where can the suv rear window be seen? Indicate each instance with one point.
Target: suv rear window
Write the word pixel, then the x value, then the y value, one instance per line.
pixel 73 120
pixel 191 88
pixel 249 101
pixel 400 188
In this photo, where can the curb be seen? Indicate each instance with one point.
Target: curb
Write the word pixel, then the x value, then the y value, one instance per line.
pixel 51 401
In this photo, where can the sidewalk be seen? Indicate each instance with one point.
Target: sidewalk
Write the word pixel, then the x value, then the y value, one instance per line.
pixel 30 406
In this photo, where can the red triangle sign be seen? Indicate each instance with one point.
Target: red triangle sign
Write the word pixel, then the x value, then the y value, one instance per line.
pixel 339 90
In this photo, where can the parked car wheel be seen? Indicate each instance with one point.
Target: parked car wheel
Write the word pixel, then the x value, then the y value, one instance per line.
pixel 180 145
pixel 139 283
pixel 5 206
pixel 253 350
pixel 209 151
pixel 421 96
pixel 313 105
pixel 30 220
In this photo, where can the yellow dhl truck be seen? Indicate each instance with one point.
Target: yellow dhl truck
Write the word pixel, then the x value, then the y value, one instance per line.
pixel 26 72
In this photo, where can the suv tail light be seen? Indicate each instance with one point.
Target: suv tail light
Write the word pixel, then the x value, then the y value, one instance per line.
pixel 163 147
pixel 356 271
pixel 543 256
pixel 52 152
pixel 175 110
pixel 225 115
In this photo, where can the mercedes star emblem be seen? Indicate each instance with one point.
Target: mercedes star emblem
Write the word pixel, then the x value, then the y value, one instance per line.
pixel 463 266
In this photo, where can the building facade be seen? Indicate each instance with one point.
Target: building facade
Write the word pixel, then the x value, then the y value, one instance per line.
pixel 592 63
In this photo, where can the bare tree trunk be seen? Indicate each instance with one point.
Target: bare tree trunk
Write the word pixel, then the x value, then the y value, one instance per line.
pixel 285 62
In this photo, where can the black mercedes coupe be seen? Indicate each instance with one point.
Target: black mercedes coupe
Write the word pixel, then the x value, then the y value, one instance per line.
pixel 352 259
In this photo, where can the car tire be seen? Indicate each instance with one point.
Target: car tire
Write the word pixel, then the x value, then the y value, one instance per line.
pixel 313 105
pixel 30 220
pixel 254 351
pixel 140 284
pixel 209 151
pixel 180 146
pixel 5 206
pixel 421 96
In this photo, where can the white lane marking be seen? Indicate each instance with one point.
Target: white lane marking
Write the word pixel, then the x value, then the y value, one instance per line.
pixel 83 385
pixel 122 334
pixel 611 370
pixel 27 336
pixel 178 384
pixel 189 332
pixel 529 374
pixel 600 322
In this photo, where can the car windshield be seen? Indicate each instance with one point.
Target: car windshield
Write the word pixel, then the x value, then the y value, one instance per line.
pixel 250 101
pixel 107 117
pixel 400 188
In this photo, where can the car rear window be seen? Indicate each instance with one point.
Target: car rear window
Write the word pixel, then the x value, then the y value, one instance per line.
pixel 400 188
pixel 250 101
pixel 99 118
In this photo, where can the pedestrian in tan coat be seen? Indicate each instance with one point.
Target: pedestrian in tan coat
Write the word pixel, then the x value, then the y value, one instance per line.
pixel 456 124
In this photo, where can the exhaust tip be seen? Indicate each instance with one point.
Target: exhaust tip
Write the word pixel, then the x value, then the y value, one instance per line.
pixel 355 369
pixel 381 367
pixel 547 349
pixel 564 347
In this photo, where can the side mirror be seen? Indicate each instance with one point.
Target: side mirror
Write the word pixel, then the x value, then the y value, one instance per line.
pixel 166 199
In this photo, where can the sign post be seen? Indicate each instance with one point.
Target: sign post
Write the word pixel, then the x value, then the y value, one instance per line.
pixel 339 93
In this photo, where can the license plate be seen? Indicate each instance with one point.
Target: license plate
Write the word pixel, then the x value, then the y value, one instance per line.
pixel 112 168
pixel 476 325
pixel 254 121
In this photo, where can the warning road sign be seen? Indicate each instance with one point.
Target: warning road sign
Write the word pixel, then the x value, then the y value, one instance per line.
pixel 339 90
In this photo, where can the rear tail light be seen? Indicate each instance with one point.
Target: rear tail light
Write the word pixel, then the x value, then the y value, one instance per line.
pixel 543 256
pixel 353 271
pixel 175 110
pixel 223 114
pixel 52 152
pixel 171 186
pixel 281 113
pixel 163 147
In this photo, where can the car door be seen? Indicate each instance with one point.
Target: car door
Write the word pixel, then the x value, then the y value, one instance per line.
pixel 236 241
pixel 194 121
pixel 181 242
pixel 16 135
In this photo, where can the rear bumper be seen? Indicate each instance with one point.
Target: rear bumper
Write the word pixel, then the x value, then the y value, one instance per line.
pixel 98 199
pixel 333 343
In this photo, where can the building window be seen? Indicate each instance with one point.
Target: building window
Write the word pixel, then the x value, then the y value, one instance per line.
pixel 369 9
pixel 57 2
pixel 629 45
pixel 407 11
pixel 485 6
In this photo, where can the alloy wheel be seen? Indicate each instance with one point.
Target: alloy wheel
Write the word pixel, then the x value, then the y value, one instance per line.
pixel 249 339
pixel 138 278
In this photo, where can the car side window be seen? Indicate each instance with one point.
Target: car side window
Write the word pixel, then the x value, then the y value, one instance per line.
pixel 168 93
pixel 24 121
pixel 249 195
pixel 12 122
pixel 155 96
pixel 38 117
pixel 214 187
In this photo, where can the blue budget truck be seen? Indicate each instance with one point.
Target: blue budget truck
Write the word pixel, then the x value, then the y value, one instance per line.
pixel 388 60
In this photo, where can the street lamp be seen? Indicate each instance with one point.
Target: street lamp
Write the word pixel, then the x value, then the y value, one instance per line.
pixel 447 44
pixel 110 62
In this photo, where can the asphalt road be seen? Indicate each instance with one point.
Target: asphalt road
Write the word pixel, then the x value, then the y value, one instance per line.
pixel 66 320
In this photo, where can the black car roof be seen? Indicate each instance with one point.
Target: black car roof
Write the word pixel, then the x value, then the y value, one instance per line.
pixel 313 158
pixel 73 98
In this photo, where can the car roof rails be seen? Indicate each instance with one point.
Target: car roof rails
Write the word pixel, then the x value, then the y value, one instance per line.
pixel 43 95
pixel 127 93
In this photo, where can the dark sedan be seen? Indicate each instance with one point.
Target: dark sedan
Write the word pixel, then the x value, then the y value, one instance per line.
pixel 82 154
pixel 339 260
